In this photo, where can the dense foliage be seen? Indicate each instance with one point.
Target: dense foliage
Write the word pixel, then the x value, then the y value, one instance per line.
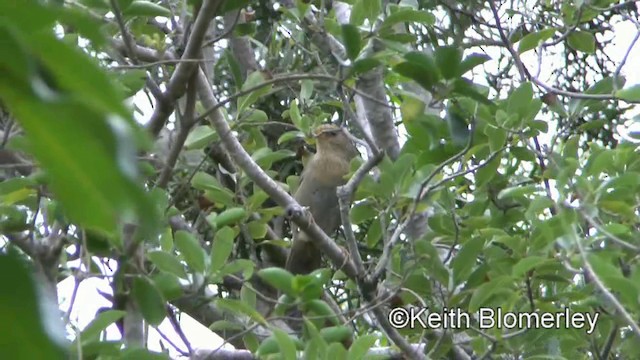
pixel 153 143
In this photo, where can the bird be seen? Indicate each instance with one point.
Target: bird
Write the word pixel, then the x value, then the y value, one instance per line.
pixel 321 176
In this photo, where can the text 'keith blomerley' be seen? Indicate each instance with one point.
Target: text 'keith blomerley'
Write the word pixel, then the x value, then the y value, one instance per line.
pixel 487 318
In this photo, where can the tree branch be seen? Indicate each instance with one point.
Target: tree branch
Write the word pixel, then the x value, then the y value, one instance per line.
pixel 178 83
pixel 345 194
pixel 255 173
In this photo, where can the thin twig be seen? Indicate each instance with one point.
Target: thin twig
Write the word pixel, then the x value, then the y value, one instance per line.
pixel 186 125
pixel 606 233
pixel 178 329
pixel 624 59
pixel 178 83
pixel 600 285
pixel 345 194
pixel 566 33
pixel 382 263
pixel 128 42
pixel 224 34
pixel 277 80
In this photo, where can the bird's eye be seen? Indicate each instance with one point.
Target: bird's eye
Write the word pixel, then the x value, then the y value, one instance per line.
pixel 333 133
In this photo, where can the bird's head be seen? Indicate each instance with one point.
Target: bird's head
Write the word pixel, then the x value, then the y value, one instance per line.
pixel 331 139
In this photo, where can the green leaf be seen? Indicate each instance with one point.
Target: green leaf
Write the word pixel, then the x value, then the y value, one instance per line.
pixel 257 229
pixel 286 344
pixel 457 123
pixel 290 135
pixel 336 351
pixel 228 217
pixel 12 185
pixel 487 172
pixel 520 99
pixel 602 266
pixel 307 287
pixel 267 347
pixel 605 86
pixel 234 67
pixel 537 206
pixel 296 117
pixel 251 342
pixel 146 8
pixel 243 265
pixel 245 29
pixel 225 325
pixel 149 300
pixel 582 41
pixel 515 192
pixel 419 67
pixel 30 327
pixel 203 181
pixel 248 295
pixel 428 257
pixel 496 136
pixel 466 259
pixel 233 5
pixel 253 80
pixel 265 157
pixel 65 62
pixel 362 212
pixel 336 334
pixel 465 87
pixel 499 286
pixel 448 59
pixel 532 40
pixel 13 219
pixel 627 289
pixel 361 66
pixel 236 306
pixel 365 9
pixel 200 136
pixel 524 265
pixel 168 284
pixel 352 40
pixel 279 278
pixel 471 62
pixel 28 16
pixel 322 309
pixel 408 15
pixel 221 247
pixel 214 191
pixel 630 94
pixel 374 233
pixel 620 208
pixel 100 324
pixel 359 348
pixel 306 90
pixel 167 262
pixel 131 81
pixel 191 251
pixel 522 154
pixel 254 116
pixel 81 135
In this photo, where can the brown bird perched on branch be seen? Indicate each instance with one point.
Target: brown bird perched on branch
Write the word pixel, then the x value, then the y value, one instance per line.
pixel 323 173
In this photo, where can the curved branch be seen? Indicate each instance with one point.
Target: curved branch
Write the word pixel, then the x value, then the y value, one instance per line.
pixel 178 83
